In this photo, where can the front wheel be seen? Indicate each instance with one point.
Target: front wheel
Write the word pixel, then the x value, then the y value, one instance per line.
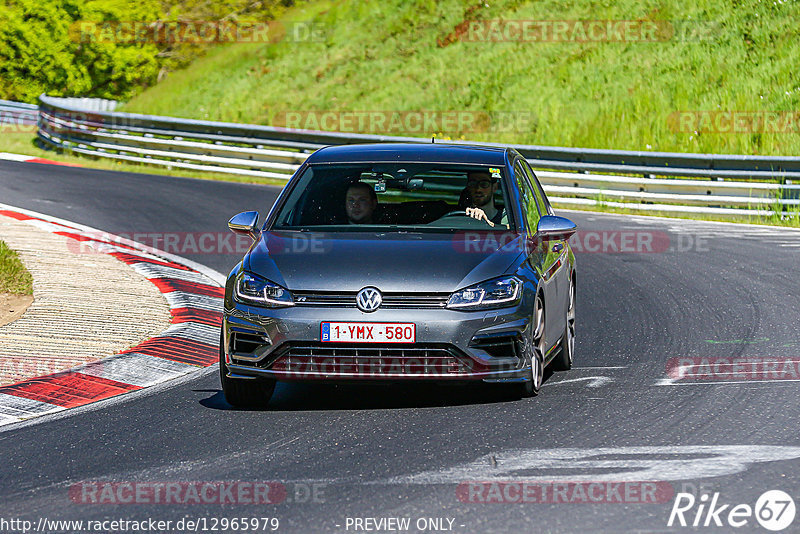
pixel 531 387
pixel 243 393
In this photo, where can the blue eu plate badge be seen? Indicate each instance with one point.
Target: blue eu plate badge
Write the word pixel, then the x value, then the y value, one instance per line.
pixel 326 331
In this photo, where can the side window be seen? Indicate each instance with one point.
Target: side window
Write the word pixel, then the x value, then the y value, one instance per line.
pixel 528 197
pixel 541 200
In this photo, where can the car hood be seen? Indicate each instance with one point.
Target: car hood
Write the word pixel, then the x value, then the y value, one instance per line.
pixel 392 262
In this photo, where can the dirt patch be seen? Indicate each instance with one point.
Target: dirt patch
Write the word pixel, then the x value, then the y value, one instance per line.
pixel 13 306
pixel 461 29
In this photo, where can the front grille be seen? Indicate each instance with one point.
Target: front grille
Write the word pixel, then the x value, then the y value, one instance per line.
pixel 369 361
pixel 390 300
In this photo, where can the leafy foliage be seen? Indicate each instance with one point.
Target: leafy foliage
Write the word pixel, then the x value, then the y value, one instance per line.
pixel 70 48
pixel 40 52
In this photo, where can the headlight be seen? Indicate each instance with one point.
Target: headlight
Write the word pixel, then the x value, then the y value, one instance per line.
pixel 252 289
pixel 497 293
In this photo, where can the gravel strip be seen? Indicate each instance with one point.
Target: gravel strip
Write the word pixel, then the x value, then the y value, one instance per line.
pixel 86 306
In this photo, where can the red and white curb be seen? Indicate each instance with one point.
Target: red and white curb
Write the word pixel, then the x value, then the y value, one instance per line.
pixel 191 343
pixel 32 159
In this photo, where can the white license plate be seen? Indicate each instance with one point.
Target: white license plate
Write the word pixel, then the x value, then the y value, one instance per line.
pixel 368 332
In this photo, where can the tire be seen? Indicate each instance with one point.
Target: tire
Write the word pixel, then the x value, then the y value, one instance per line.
pixel 243 393
pixel 533 385
pixel 563 362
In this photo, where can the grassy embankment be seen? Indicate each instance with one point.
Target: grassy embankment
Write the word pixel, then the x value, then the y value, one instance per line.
pixel 399 55
pixel 394 55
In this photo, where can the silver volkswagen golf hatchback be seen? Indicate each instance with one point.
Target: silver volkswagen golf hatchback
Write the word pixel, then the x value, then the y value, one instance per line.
pixel 401 262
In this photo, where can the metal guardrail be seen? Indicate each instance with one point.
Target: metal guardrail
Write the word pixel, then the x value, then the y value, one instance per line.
pixel 17 113
pixel 271 152
pixel 90 104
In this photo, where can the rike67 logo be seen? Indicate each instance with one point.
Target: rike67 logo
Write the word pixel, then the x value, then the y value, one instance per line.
pixel 774 510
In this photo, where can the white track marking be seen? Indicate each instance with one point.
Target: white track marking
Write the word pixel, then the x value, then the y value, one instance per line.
pixel 137 369
pixel 606 464
pixel 193 331
pixel 15 157
pixel 8 419
pixel 180 299
pixel 683 382
pixel 594 381
pixel 604 367
pixel 665 381
pixel 14 406
pixel 151 270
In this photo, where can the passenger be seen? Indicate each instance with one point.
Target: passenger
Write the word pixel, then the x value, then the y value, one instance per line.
pixel 480 192
pixel 360 203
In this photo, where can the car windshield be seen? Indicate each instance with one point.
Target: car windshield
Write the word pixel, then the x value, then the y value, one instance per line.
pixel 397 197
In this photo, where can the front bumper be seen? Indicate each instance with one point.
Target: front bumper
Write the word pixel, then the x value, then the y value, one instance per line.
pixel 284 344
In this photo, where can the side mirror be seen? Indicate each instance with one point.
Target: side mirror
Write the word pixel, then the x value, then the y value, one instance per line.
pixel 245 223
pixel 553 228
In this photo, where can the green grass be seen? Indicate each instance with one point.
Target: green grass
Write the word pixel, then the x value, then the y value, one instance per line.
pixel 384 56
pixel 14 278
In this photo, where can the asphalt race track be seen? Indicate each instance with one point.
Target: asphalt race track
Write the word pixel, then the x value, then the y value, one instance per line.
pixel 345 453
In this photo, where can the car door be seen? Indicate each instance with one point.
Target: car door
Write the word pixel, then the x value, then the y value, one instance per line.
pixel 541 259
pixel 558 255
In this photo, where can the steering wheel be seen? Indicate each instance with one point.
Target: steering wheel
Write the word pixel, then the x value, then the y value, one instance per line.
pixel 455 213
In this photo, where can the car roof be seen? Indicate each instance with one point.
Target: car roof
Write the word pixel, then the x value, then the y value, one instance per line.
pixel 410 152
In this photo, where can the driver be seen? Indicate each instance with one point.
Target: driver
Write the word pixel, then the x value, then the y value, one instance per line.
pixel 480 190
pixel 360 203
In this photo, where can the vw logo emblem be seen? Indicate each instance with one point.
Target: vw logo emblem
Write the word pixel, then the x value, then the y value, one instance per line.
pixel 369 299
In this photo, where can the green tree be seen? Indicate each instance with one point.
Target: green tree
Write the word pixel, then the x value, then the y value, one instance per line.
pixel 41 51
pixel 82 48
